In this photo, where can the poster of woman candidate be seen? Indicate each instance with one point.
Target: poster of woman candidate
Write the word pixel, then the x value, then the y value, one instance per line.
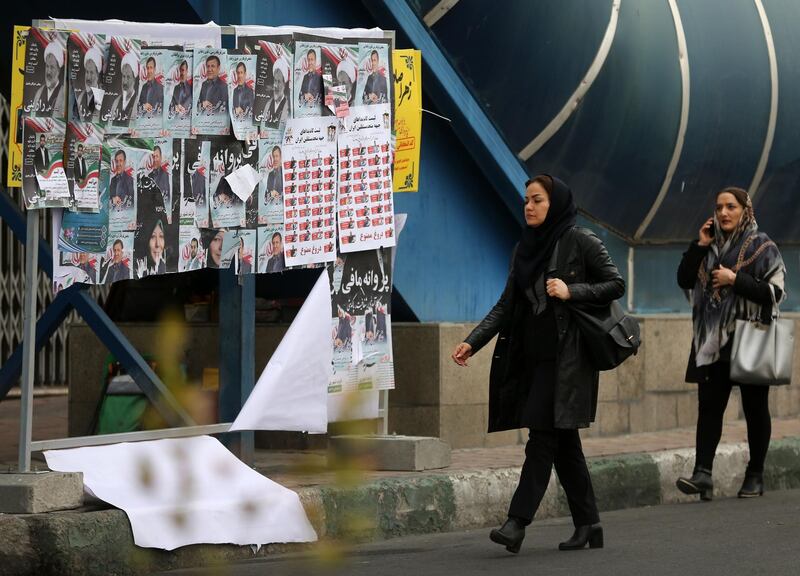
pixel 270 187
pixel 44 180
pixel 241 95
pixel 154 236
pixel 87 55
pixel 210 92
pixel 44 94
pixel 120 82
pixel 273 94
pixel 309 190
pixel 149 121
pixel 84 141
pixel 307 91
pixel 178 93
pixel 227 209
pixel 374 73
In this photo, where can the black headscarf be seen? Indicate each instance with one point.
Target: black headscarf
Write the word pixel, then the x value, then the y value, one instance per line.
pixel 537 244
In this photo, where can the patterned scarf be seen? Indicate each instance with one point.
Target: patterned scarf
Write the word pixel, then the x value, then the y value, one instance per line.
pixel 715 310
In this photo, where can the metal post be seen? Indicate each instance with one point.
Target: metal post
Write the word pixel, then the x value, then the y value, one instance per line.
pixel 248 353
pixel 28 339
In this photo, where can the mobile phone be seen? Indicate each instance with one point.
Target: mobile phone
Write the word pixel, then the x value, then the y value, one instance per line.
pixel 711 230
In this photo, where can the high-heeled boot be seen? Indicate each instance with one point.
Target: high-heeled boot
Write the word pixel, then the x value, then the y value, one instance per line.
pixel 509 535
pixel 591 534
pixel 700 483
pixel 753 485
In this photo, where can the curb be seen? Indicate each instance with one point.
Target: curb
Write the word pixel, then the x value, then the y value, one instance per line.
pixel 100 542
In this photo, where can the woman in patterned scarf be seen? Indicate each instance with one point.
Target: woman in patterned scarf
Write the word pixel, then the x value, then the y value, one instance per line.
pixel 732 271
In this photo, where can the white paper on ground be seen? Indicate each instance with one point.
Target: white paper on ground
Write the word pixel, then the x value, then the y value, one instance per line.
pixel 243 181
pixel 291 393
pixel 187 491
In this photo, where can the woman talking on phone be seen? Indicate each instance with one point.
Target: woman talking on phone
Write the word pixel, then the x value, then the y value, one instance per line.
pixel 542 377
pixel 734 272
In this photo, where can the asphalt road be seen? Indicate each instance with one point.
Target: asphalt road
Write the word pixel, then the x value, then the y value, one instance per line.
pixel 728 537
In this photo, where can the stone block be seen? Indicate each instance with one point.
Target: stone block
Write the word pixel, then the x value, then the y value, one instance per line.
pixel 464 426
pixel 37 492
pixel 608 389
pixel 687 409
pixel 416 364
pixel 406 453
pixel 612 418
pixel 661 410
pixel 631 376
pixel 669 341
pixel 458 384
pixel 637 420
pixel 417 420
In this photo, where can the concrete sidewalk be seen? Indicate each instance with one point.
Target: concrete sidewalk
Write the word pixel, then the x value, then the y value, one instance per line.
pixel 357 505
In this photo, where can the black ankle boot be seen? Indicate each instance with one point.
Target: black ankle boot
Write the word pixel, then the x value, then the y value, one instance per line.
pixel 591 533
pixel 700 483
pixel 752 486
pixel 510 535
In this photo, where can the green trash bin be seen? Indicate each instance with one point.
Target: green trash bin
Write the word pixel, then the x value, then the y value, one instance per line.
pixel 123 406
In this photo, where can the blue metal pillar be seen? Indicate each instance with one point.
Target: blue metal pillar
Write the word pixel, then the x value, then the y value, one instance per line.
pixel 236 355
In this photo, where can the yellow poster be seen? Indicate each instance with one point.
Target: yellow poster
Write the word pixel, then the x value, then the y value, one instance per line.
pixel 14 177
pixel 407 70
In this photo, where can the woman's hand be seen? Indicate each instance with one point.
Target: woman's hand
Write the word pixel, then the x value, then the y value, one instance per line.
pixel 723 277
pixel 462 352
pixel 705 238
pixel 557 289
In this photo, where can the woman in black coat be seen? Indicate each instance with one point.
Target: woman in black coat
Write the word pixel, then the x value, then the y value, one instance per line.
pixel 541 377
pixel 733 271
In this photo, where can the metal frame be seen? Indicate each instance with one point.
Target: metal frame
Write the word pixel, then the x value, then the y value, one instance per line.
pixel 237 349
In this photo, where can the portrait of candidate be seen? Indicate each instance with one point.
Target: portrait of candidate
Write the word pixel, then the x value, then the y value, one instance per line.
pixel 151 240
pixel 311 87
pixel 213 92
pixel 245 263
pixel 274 191
pixel 120 189
pixel 123 109
pixel 181 103
pixel 117 269
pixel 160 176
pixel 276 262
pixel 375 89
pixel 79 166
pixel 278 108
pixel 195 258
pixel 212 242
pixel 41 157
pixel 346 75
pixel 87 107
pixel 151 95
pixel 243 95
pixel 49 99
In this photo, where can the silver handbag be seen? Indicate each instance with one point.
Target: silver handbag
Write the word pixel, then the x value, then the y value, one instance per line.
pixel 762 353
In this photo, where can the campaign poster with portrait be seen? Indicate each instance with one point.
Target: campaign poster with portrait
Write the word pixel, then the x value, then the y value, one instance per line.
pixel 121 83
pixel 270 250
pixel 44 93
pixel 87 55
pixel 178 93
pixel 44 179
pixel 273 94
pixel 157 164
pixel 88 231
pixel 83 267
pixel 270 188
pixel 307 91
pixel 212 245
pixel 365 206
pixel 196 170
pixel 192 255
pixel 84 142
pixel 122 182
pixel 116 263
pixel 309 190
pixel 154 236
pixel 210 92
pixel 246 251
pixel 339 75
pixel 149 121
pixel 374 73
pixel 361 291
pixel 228 209
pixel 241 95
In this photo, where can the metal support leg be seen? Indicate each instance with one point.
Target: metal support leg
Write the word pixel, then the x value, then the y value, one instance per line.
pixel 28 339
pixel 237 355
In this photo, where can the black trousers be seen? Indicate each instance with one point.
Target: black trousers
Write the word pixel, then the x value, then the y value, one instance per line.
pixel 713 399
pixel 563 449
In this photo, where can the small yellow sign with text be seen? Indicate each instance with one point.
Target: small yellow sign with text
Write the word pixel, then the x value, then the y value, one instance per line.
pixel 407 70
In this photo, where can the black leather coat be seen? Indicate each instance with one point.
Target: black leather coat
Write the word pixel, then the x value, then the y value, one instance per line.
pixel 585 266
